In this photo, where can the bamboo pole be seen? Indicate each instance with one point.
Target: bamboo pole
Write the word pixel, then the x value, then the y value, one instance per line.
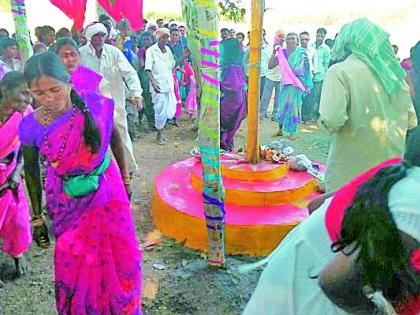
pixel 252 151
pixel 22 33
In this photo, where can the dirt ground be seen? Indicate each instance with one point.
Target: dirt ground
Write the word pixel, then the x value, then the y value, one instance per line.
pixel 176 280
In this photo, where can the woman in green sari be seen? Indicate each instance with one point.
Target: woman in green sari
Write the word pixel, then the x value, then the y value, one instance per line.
pixel 296 81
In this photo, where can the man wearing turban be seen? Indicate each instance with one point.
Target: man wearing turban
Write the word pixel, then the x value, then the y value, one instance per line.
pixel 118 77
pixel 159 66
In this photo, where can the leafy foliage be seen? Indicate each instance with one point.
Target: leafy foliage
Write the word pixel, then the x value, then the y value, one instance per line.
pixel 233 10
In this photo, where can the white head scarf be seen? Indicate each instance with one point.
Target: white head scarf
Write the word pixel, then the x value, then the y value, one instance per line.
pixel 93 29
pixel 161 32
pixel 151 24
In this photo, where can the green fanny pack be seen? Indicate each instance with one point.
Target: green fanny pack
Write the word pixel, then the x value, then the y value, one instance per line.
pixel 82 185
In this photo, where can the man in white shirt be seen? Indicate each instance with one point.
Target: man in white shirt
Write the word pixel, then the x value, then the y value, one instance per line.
pixel 8 54
pixel 265 58
pixel 312 52
pixel 117 74
pixel 324 58
pixel 272 81
pixel 159 66
pixel 308 101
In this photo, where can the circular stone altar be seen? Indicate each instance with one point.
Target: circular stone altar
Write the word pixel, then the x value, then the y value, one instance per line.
pixel 263 203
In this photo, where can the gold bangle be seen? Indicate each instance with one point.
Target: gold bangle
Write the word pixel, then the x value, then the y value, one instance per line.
pixel 38 221
pixel 127 181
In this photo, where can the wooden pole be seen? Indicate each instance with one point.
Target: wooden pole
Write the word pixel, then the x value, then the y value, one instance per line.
pixel 252 151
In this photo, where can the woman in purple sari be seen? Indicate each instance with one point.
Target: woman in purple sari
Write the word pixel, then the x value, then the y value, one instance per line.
pixel 97 259
pixel 82 78
pixel 233 98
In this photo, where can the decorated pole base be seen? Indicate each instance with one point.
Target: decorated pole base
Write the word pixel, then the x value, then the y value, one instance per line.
pixel 263 203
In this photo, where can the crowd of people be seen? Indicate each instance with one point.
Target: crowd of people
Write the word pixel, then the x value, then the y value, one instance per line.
pixel 84 94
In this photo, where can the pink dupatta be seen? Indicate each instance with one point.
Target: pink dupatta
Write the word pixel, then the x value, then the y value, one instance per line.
pixel 287 75
pixel 14 210
pixel 85 79
pixel 10 141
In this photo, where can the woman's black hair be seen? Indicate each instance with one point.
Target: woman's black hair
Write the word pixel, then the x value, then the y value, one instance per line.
pixel 63 32
pixel 64 41
pixel 11 81
pixel 369 224
pixel 49 64
pixel 7 42
pixel 44 30
pixel 232 52
pixel 144 35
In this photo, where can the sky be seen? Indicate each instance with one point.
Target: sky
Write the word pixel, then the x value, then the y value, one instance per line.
pixel 37 8
pixel 297 6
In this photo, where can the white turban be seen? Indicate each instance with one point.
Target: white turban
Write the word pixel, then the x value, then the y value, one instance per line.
pixel 93 29
pixel 151 24
pixel 161 32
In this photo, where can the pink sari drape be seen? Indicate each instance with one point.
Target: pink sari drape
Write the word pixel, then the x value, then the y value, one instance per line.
pixel 85 79
pixel 191 101
pixel 287 75
pixel 97 258
pixel 15 228
pixel 2 71
pixel 177 92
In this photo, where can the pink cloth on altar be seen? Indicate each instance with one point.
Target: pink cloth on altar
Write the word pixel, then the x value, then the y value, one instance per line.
pixel 85 79
pixel 74 9
pixel 97 258
pixel 15 229
pixel 131 10
pixel 287 75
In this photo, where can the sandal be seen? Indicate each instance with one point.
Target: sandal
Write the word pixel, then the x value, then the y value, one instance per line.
pixel 41 236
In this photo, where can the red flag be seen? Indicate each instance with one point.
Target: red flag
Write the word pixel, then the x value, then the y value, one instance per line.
pixel 130 10
pixel 74 9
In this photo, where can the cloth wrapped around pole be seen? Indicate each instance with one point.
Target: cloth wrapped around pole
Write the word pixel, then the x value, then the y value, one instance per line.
pixel 22 32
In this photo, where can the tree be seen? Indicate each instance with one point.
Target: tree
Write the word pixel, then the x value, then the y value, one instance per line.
pixel 232 9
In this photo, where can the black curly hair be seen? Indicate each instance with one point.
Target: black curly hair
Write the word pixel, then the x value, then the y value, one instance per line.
pixel 11 81
pixel 369 224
